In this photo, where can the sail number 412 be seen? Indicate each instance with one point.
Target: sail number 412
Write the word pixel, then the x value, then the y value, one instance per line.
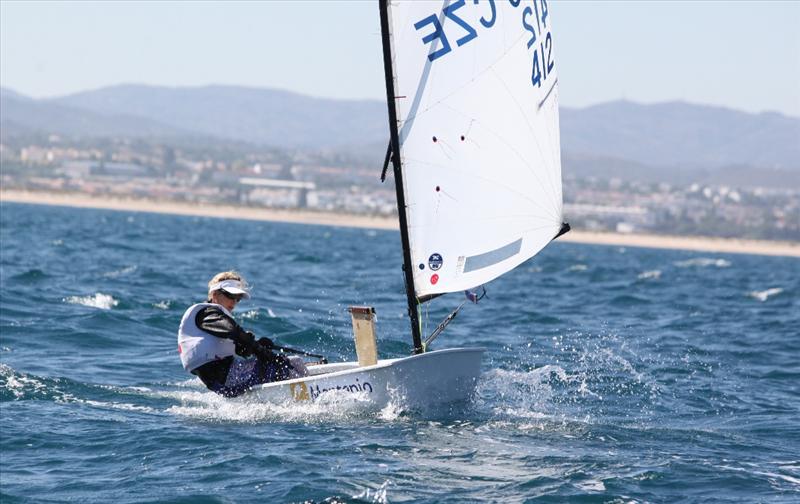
pixel 534 21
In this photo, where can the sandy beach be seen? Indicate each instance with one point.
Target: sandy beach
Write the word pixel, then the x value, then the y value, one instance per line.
pixel 693 243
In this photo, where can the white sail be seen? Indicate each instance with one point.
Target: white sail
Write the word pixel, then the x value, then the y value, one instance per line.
pixel 476 97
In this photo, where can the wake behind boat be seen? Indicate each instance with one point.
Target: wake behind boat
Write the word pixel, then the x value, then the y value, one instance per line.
pixel 472 95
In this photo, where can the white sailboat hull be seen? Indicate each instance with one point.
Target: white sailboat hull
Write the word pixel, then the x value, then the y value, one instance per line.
pixel 423 382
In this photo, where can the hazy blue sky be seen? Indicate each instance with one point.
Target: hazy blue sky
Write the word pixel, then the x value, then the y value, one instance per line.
pixel 743 55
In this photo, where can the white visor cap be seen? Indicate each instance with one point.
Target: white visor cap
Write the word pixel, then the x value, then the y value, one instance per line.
pixel 234 287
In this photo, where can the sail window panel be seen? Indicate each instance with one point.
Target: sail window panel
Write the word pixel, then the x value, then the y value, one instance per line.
pixel 492 257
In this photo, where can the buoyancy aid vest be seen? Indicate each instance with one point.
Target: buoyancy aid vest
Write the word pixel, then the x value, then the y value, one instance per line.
pixel 197 347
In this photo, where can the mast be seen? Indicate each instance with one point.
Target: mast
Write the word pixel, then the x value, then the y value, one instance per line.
pixel 408 272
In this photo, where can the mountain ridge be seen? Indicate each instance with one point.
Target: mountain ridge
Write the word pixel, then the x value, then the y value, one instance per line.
pixel 660 137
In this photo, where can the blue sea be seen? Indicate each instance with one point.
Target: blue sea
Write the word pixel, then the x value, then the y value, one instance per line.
pixel 619 375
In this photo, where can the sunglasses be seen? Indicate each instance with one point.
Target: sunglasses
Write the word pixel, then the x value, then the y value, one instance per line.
pixel 233 297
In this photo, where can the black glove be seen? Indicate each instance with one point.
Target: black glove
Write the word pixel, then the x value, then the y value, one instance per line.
pixel 266 343
pixel 245 343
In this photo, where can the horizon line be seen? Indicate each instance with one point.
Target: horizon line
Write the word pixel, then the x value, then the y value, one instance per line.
pixel 14 91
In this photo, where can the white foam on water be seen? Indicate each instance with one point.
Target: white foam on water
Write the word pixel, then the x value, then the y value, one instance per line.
pixel 584 390
pixel 249 314
pixel 607 355
pixel 648 275
pixel 578 267
pixel 591 486
pixel 202 404
pixel 378 495
pixel 775 478
pixel 20 384
pixel 99 300
pixel 765 294
pixel 111 405
pixel 525 395
pixel 703 262
pixel 789 465
pixel 162 305
pixel 23 385
pixel 120 272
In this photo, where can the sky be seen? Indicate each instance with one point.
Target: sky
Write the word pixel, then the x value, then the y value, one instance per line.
pixel 740 55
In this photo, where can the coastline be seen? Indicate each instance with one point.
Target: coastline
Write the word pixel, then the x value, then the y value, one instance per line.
pixel 691 243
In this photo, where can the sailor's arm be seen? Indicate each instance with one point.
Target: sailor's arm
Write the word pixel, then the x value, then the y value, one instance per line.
pixel 215 322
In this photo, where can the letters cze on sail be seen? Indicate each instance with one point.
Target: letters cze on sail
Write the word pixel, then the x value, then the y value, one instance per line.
pixel 476 107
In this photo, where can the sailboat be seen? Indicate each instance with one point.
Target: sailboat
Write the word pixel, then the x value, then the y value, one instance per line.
pixel 472 95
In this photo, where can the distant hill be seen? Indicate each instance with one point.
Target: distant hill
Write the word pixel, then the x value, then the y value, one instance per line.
pixel 10 93
pixel 258 116
pixel 24 115
pixel 670 141
pixel 681 134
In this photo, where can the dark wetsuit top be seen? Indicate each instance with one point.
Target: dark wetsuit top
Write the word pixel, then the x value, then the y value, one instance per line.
pixel 213 374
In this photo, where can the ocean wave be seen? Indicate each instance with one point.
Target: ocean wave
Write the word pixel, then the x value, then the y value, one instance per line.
pixel 703 262
pixel 120 272
pixel 377 495
pixel 590 485
pixel 30 276
pixel 114 405
pixel 628 300
pixel 202 404
pixel 18 386
pixel 250 314
pixel 99 300
pixel 649 275
pixel 521 394
pixel 765 294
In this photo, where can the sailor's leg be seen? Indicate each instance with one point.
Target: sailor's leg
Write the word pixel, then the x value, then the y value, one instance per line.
pixel 244 374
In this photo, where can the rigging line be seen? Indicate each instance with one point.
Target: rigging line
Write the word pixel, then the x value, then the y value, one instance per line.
pixel 541 103
pixel 386 161
pixel 439 328
pixel 533 135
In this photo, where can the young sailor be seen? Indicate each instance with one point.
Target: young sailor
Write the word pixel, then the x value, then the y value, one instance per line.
pixel 228 359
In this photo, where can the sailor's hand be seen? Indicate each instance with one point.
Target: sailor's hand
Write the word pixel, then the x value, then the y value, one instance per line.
pixel 248 337
pixel 266 343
